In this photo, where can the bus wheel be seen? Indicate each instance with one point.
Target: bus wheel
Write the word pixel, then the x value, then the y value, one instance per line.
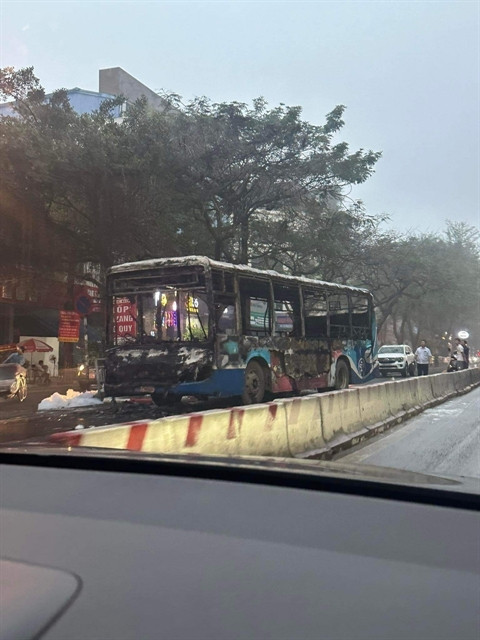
pixel 254 386
pixel 342 375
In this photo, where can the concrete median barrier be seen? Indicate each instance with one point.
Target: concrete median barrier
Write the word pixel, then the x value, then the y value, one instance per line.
pixel 120 436
pixel 373 401
pixel 443 385
pixel 462 379
pixel 425 395
pixel 304 424
pixel 402 397
pixel 261 428
pixel 319 423
pixel 341 415
pixel 237 431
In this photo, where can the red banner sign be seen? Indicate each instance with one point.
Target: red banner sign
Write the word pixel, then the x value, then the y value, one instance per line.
pixel 125 314
pixel 69 326
pixel 92 291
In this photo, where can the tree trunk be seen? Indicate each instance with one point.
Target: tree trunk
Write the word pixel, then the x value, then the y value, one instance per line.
pixel 218 248
pixel 244 240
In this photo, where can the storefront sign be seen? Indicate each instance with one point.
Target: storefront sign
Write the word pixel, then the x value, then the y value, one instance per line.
pixel 125 318
pixel 69 326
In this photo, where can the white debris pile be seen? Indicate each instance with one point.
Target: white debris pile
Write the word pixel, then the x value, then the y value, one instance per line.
pixel 71 400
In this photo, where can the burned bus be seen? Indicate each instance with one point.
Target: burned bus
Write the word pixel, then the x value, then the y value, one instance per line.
pixel 193 326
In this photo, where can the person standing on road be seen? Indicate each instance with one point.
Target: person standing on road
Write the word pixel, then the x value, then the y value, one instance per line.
pixel 466 353
pixel 422 358
pixel 460 353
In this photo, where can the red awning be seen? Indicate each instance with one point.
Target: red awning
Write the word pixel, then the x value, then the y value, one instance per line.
pixel 34 344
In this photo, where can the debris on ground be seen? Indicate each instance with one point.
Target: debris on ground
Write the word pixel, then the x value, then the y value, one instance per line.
pixel 71 400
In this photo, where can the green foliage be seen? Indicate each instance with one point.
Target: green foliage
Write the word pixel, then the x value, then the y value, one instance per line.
pixel 236 182
pixel 235 165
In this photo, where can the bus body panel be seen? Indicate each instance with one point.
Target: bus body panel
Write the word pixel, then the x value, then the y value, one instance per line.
pixel 181 369
pixel 264 318
pixel 129 369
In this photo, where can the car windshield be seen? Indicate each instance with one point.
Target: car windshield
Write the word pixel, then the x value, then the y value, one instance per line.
pixel 213 214
pixel 393 349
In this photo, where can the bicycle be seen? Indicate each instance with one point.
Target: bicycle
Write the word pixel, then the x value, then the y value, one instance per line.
pixel 21 389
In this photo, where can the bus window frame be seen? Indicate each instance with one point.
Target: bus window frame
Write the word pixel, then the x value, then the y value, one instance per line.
pixel 240 296
pixel 246 296
pixel 279 289
pixel 320 291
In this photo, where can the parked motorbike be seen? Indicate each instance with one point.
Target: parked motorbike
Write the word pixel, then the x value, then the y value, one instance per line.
pixel 13 381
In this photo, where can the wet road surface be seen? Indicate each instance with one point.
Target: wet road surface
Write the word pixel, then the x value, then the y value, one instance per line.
pixel 444 440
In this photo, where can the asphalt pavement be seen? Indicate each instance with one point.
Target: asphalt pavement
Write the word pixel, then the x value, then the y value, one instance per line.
pixel 12 408
pixel 444 440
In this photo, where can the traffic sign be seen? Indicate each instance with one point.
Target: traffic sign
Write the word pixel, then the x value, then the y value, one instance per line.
pixel 83 304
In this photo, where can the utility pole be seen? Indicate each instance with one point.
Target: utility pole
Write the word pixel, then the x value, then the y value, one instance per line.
pixel 85 337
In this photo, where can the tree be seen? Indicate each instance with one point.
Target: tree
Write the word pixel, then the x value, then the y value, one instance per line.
pixel 425 285
pixel 322 240
pixel 84 176
pixel 237 165
pixel 245 184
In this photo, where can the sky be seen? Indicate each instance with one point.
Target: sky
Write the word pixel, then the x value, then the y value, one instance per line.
pixel 408 73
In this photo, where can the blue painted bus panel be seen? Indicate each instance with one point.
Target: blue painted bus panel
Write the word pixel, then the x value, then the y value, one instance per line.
pixel 263 354
pixel 222 383
pixel 363 363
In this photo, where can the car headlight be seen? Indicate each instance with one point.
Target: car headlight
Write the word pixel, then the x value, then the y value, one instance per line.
pixel 81 367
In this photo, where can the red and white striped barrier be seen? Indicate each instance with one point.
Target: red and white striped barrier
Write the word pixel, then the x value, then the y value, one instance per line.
pixel 236 431
pixel 319 422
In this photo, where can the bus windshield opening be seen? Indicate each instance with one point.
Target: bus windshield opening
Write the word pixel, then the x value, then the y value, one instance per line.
pixel 161 315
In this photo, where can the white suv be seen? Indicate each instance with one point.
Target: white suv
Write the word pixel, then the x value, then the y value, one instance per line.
pixel 396 358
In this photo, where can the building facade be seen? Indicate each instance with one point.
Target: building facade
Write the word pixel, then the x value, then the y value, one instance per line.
pixel 32 291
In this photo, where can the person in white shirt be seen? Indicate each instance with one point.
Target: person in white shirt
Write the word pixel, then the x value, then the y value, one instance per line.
pixel 460 354
pixel 422 357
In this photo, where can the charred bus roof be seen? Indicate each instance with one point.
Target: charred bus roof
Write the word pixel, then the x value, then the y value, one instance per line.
pixel 209 264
